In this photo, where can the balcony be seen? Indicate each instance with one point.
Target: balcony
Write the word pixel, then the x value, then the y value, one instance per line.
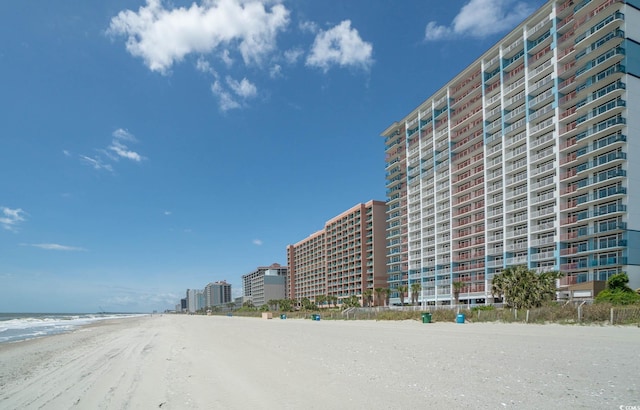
pixel 549 108
pixel 594 29
pixel 542 125
pixel 547 240
pixel 541 170
pixel 516 152
pixel 518 260
pixel 542 226
pixel 542 255
pixel 595 79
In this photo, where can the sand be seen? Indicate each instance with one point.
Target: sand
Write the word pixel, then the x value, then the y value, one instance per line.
pixel 201 362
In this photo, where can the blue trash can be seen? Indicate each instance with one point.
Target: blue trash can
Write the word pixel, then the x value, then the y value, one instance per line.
pixel 460 318
pixel 283 316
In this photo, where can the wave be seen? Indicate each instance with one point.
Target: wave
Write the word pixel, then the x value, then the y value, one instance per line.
pixel 23 326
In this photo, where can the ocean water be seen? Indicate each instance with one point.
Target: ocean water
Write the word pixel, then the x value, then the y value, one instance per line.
pixel 15 327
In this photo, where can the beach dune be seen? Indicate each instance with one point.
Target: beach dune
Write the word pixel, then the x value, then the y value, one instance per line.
pixel 212 362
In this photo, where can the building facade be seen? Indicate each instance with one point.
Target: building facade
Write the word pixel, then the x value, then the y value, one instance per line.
pixel 522 158
pixel 265 283
pixel 195 300
pixel 217 294
pixel 344 259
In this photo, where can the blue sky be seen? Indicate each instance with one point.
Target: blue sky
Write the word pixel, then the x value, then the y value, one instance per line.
pixel 152 146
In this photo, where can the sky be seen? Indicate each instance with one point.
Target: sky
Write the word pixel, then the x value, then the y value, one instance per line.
pixel 147 147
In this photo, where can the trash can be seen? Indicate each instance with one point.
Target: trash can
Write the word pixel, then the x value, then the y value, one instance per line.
pixel 460 318
pixel 315 317
pixel 283 316
pixel 426 317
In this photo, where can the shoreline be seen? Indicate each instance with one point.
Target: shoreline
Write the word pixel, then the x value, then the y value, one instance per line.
pixel 180 361
pixel 15 327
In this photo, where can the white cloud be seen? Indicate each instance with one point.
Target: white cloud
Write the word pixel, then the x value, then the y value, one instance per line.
pixel 244 88
pixel 308 26
pixel 122 151
pixel 275 71
pixel 135 299
pixel 481 18
pixel 204 66
pixel 66 153
pixel 167 212
pixel 226 58
pixel 116 150
pixel 54 247
pixel 435 31
pixel 164 36
pixel 234 93
pixel 340 45
pixel 121 134
pixel 257 242
pixel 96 163
pixel 292 56
pixel 226 100
pixel 120 148
pixel 9 218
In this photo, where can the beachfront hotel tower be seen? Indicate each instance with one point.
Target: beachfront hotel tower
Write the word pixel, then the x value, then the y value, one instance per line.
pixel 265 283
pixel 344 259
pixel 525 157
pixel 217 293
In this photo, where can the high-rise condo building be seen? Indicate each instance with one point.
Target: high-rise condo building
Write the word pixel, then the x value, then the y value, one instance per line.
pixel 344 259
pixel 195 300
pixel 523 158
pixel 217 293
pixel 265 283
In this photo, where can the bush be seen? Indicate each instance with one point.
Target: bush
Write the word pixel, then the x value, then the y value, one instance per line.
pixel 618 292
pixel 618 297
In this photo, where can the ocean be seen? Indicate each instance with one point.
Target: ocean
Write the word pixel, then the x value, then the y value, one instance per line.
pixel 15 327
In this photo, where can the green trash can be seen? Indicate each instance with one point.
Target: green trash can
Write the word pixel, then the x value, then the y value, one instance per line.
pixel 315 317
pixel 426 317
pixel 283 316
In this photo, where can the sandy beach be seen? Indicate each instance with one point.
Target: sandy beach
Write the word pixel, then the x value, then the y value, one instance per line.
pixel 200 362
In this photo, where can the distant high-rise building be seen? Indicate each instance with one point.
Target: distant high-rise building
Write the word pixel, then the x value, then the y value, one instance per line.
pixel 217 294
pixel 194 300
pixel 524 158
pixel 265 283
pixel 344 259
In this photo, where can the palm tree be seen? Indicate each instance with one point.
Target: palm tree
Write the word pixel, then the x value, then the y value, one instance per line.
pixel 320 299
pixel 416 287
pixel 387 294
pixel 521 287
pixel 457 287
pixel 366 297
pixel 286 305
pixel 332 300
pixel 380 293
pixel 306 304
pixel 351 301
pixel 402 290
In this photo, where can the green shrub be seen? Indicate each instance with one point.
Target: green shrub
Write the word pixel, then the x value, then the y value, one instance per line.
pixel 618 292
pixel 618 297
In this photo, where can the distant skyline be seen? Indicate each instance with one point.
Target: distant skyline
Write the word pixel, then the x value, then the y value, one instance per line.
pixel 150 147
